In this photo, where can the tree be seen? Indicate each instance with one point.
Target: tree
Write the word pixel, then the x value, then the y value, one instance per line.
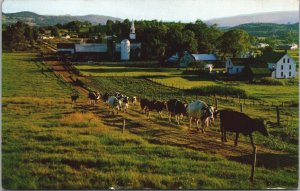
pixel 54 31
pixel 18 36
pixel 234 42
pixel 189 42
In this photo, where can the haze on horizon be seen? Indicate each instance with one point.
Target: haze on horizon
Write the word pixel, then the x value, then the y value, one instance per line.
pixel 167 10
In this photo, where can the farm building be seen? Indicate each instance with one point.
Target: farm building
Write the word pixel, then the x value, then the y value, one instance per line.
pixel 280 64
pixel 187 58
pixel 236 65
pixel 97 49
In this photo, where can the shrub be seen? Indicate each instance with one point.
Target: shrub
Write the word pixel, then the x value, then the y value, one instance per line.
pixel 219 90
pixel 271 81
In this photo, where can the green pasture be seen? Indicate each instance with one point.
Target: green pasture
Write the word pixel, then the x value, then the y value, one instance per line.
pixel 115 70
pixel 266 93
pixel 50 144
pixel 22 77
pixel 173 77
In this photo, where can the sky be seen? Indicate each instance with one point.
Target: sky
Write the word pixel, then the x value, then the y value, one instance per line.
pixel 166 10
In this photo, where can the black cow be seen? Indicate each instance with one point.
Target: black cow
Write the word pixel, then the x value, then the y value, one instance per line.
pixel 237 122
pixel 105 97
pixel 94 97
pixel 176 108
pixel 143 103
pixel 74 97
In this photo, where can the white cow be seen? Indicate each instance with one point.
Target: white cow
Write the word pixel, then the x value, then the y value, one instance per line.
pixel 114 103
pixel 200 111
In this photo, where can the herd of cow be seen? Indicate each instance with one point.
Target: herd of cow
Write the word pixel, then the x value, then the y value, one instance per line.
pixel 196 111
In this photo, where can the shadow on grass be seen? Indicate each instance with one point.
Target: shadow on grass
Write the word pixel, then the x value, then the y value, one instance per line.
pixel 268 160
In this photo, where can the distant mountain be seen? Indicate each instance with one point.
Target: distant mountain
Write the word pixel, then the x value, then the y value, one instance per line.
pixel 285 17
pixel 46 20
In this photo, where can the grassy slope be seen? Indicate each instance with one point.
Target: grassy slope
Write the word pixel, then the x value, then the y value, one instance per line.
pixel 50 145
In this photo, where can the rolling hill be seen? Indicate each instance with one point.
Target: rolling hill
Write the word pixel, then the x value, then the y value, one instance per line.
pixel 46 20
pixel 285 17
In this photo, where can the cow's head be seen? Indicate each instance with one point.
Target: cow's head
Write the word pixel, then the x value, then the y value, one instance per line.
pixel 260 127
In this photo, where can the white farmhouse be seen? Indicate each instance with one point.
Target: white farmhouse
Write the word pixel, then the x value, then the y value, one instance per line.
pixel 236 65
pixel 281 65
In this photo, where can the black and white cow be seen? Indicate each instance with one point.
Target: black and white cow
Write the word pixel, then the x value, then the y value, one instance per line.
pixel 158 106
pixel 114 104
pixel 133 100
pixel 94 97
pixel 200 111
pixel 124 103
pixel 176 108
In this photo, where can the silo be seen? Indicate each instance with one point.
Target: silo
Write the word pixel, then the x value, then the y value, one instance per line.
pixel 125 49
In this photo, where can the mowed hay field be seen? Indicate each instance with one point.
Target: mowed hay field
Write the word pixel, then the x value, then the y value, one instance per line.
pixel 49 144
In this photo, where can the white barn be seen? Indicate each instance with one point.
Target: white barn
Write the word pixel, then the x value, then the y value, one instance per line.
pixel 187 58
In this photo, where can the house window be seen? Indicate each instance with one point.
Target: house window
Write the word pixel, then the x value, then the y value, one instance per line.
pixel 281 67
pixel 290 73
pixel 290 67
pixel 284 60
pixel 288 60
pixel 237 70
pixel 281 74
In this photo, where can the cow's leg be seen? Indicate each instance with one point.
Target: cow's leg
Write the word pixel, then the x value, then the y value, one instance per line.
pixel 177 117
pixel 251 139
pixel 222 136
pixel 225 139
pixel 202 125
pixel 170 115
pixel 236 138
pixel 160 114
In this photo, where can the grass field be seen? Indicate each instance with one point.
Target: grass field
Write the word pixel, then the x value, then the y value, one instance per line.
pixel 173 77
pixel 111 70
pixel 48 144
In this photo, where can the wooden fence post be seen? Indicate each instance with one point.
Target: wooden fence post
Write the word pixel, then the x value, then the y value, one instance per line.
pixel 253 164
pixel 216 102
pixel 124 123
pixel 242 107
pixel 278 115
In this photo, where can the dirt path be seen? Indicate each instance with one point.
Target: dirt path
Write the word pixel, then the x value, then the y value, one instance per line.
pixel 160 131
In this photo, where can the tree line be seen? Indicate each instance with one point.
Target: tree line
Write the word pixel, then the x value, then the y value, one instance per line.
pixel 159 39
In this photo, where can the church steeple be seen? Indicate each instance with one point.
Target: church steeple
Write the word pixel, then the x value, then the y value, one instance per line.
pixel 132 31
